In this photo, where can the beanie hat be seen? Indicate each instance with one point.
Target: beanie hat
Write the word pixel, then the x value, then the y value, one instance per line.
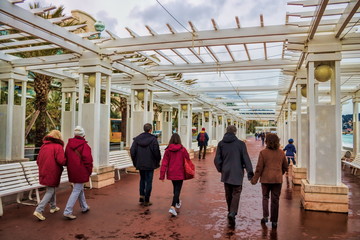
pixel 291 140
pixel 203 129
pixel 79 131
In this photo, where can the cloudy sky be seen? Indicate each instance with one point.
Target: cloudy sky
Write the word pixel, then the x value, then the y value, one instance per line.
pixel 135 14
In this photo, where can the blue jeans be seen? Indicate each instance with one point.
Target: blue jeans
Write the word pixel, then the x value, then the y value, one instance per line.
pixel 49 197
pixel 76 194
pixel 146 178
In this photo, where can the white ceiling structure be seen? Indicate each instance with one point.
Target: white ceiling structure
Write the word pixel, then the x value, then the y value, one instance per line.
pixel 245 72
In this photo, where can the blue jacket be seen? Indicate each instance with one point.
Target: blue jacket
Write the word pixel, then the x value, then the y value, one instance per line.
pixel 290 150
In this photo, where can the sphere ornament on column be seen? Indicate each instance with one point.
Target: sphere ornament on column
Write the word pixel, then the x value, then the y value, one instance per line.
pixel 99 26
pixel 220 118
pixel 304 91
pixel 184 107
pixel 206 114
pixel 92 80
pixel 140 95
pixel 323 73
pixel 293 106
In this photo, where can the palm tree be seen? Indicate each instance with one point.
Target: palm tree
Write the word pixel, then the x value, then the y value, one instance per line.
pixel 42 82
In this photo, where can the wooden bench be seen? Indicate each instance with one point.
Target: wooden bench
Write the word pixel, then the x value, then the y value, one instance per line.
pixel 355 165
pixel 120 160
pixel 13 181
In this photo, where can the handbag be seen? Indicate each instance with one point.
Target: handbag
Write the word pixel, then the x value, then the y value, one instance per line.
pixel 189 169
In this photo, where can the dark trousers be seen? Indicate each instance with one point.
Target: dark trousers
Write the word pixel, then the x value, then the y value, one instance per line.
pixel 177 184
pixel 232 194
pixel 201 148
pixel 146 178
pixel 292 159
pixel 275 189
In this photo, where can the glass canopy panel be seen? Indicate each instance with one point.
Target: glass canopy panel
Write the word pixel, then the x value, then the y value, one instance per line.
pixel 188 55
pixel 256 51
pixel 274 50
pixel 221 53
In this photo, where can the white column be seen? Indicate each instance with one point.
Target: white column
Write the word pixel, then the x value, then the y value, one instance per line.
pixel 185 124
pixel 81 98
pixel 312 123
pixel 96 132
pixel 298 125
pixel 356 126
pixel 166 124
pixel 9 119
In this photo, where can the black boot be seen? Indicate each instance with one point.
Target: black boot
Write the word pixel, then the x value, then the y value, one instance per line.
pixel 231 218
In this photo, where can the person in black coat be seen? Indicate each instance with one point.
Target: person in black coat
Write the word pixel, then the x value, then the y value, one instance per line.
pixel 202 139
pixel 145 154
pixel 230 160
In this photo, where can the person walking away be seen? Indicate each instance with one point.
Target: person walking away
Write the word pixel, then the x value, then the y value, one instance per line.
pixel 230 160
pixel 50 161
pixel 173 167
pixel 256 136
pixel 145 154
pixel 262 136
pixel 202 139
pixel 290 151
pixel 79 166
pixel 270 169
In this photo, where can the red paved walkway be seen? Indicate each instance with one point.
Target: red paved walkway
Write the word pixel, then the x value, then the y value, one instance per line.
pixel 116 214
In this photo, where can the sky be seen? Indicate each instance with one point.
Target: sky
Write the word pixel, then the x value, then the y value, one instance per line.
pixel 135 14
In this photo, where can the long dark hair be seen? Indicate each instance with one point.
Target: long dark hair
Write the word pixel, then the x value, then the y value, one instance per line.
pixel 175 139
pixel 272 141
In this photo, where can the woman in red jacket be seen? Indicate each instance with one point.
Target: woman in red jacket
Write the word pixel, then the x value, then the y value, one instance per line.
pixel 50 161
pixel 173 166
pixel 79 166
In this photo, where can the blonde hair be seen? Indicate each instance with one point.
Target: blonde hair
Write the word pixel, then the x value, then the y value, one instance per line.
pixel 55 134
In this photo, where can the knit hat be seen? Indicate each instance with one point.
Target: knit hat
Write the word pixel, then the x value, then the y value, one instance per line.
pixel 79 131
pixel 203 129
pixel 291 140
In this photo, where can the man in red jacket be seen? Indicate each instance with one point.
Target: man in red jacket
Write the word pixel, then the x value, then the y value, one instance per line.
pixel 79 165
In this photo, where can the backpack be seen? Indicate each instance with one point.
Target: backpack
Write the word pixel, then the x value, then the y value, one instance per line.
pixel 202 137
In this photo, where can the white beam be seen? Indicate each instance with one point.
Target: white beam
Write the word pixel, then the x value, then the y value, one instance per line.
pixel 349 12
pixel 238 89
pixel 24 20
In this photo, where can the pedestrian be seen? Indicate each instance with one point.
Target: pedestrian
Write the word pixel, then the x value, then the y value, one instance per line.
pixel 202 139
pixel 270 168
pixel 173 167
pixel 256 136
pixel 50 161
pixel 262 136
pixel 290 151
pixel 79 166
pixel 145 154
pixel 230 160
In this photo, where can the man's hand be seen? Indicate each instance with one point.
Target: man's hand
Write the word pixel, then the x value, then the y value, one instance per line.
pixel 253 182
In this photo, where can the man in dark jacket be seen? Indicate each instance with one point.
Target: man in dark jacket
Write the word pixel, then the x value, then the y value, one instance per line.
pixel 230 160
pixel 145 154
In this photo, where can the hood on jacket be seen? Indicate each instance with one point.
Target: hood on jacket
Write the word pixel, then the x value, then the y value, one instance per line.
pixel 76 142
pixel 49 139
pixel 229 137
pixel 144 139
pixel 174 147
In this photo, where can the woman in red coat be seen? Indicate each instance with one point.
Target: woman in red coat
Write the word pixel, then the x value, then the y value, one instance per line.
pixel 79 165
pixel 50 161
pixel 173 166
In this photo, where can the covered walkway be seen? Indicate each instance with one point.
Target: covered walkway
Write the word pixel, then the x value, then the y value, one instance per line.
pixel 115 213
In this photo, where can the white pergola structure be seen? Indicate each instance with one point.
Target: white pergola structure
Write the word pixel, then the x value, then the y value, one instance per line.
pixel 235 75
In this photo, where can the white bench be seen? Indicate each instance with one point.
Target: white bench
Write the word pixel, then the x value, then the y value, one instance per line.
pixel 355 165
pixel 13 180
pixel 120 160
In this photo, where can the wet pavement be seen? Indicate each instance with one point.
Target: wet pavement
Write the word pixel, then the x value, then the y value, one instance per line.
pixel 116 214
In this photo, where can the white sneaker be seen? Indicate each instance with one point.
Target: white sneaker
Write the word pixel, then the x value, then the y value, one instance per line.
pixel 178 205
pixel 173 211
pixel 55 209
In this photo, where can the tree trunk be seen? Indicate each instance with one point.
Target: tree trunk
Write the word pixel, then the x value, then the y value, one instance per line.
pixel 41 88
